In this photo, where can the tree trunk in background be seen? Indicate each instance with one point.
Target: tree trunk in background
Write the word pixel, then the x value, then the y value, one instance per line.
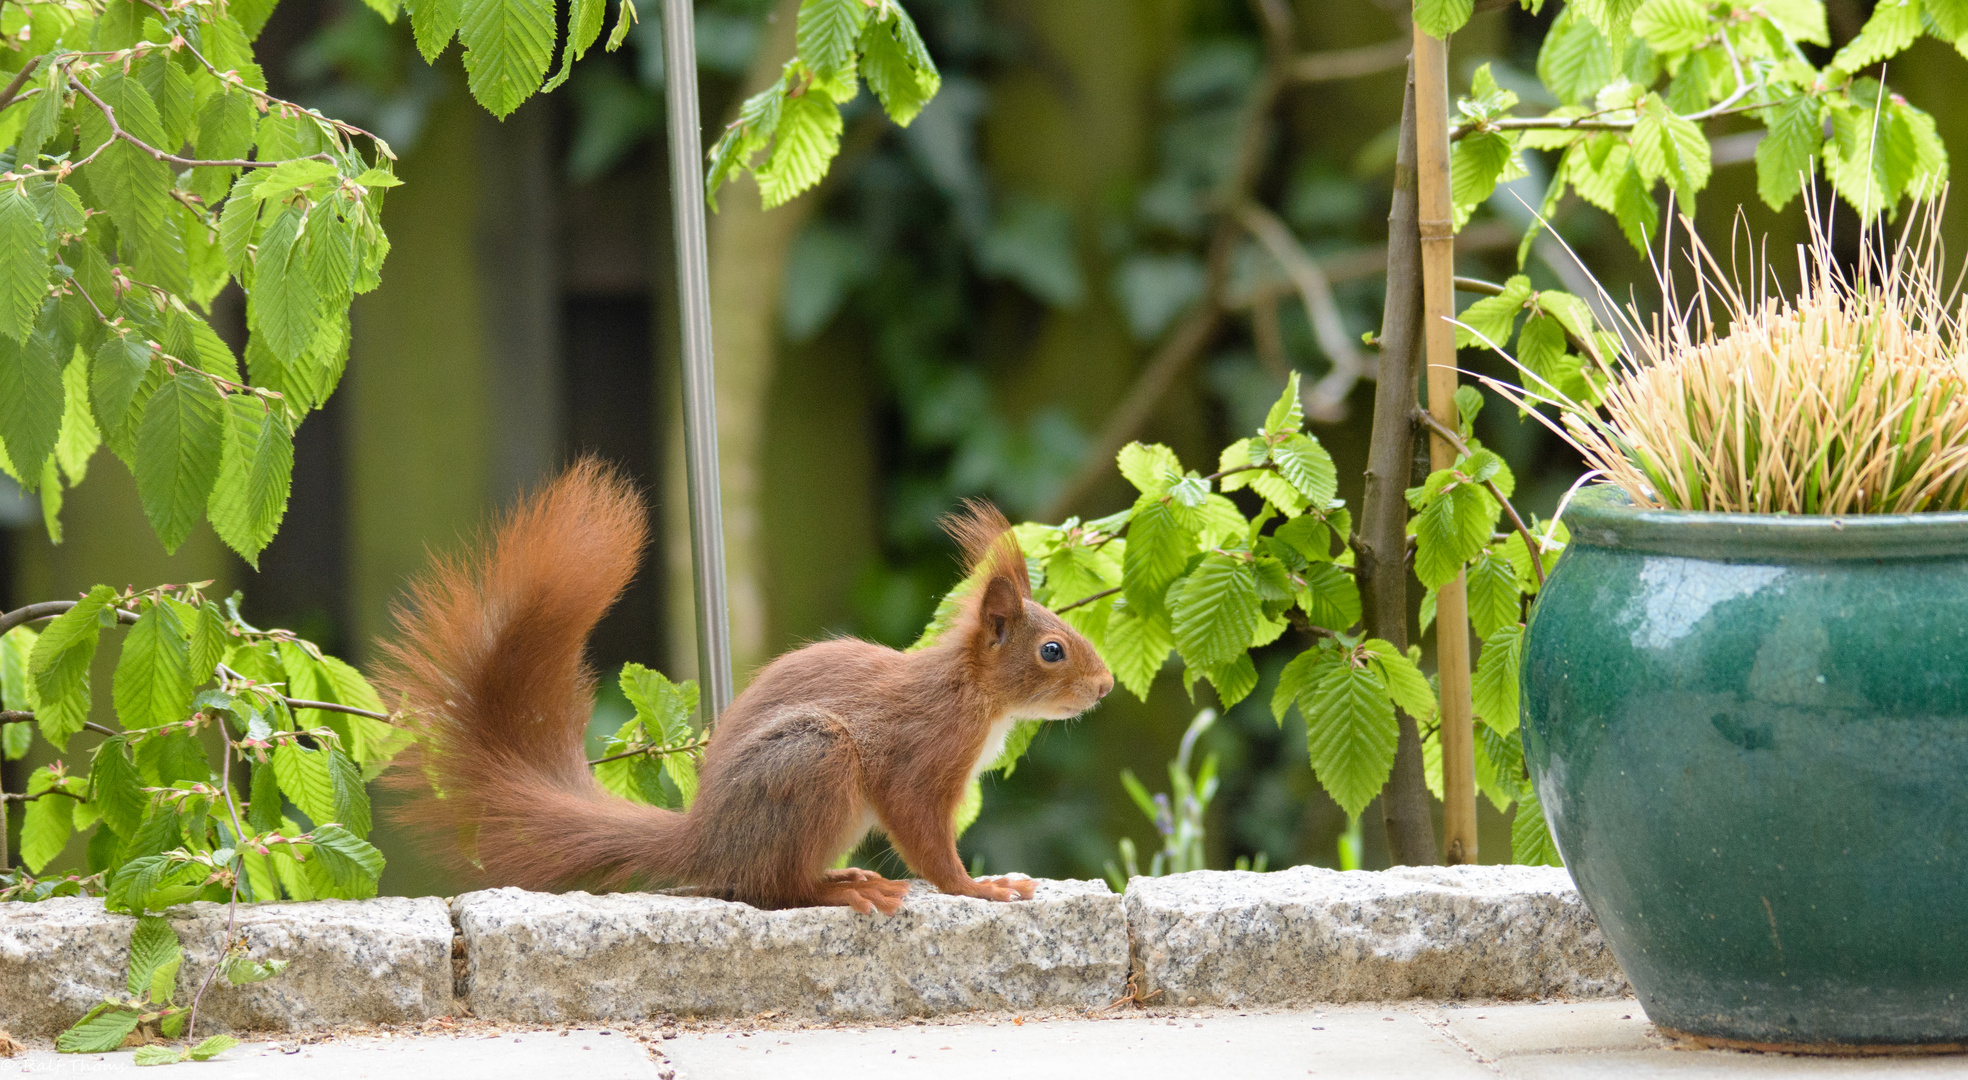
pixel 419 383
pixel 1382 540
pixel 748 247
pixel 519 296
pixel 1077 122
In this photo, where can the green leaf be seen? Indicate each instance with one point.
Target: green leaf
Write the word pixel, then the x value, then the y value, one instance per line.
pixel 1575 60
pixel 1350 733
pixel 60 663
pixel 1477 163
pixel 1530 842
pixel 1306 464
pixel 263 813
pixel 99 1032
pixel 1158 548
pixel 284 303
pixel 305 779
pixel 1666 145
pixel 178 451
pixel 584 18
pixel 153 683
pixel 1299 680
pixel 1673 26
pixel 1450 530
pixel 1233 681
pixel 1331 598
pixel 434 23
pixel 30 401
pixel 826 33
pixel 1214 610
pixel 1494 318
pixel 1495 598
pixel 352 863
pixel 1440 18
pixel 289 175
pixel 1406 685
pixel 1891 29
pixel 154 949
pixel 897 66
pixel 1137 647
pixel 1151 467
pixel 24 263
pixel 351 797
pixel 1287 413
pixel 160 1054
pixel 806 140
pixel 45 825
pixel 1494 689
pixel 1805 19
pixel 256 469
pixel 244 971
pixel 43 119
pixel 508 45
pixel 118 790
pixel 664 707
pixel 212 1047
pixel 625 17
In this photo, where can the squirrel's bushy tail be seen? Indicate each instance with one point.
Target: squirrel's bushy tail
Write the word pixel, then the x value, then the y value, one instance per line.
pixel 487 663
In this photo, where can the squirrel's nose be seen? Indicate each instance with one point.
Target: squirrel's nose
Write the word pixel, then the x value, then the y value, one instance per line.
pixel 1106 684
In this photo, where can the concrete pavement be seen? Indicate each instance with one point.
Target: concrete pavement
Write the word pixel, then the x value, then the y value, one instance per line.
pixel 1420 1040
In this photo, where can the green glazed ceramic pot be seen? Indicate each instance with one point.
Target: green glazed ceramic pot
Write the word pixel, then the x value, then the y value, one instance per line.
pixel 1750 735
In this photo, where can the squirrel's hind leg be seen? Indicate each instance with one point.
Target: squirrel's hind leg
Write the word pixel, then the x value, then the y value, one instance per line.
pixel 780 809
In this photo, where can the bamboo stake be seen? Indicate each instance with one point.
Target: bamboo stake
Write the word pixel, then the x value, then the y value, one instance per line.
pixel 1431 64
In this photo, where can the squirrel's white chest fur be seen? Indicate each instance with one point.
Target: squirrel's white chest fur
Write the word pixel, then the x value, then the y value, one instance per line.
pixel 994 741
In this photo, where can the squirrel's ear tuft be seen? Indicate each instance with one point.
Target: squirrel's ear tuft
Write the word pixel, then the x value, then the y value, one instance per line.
pixel 988 544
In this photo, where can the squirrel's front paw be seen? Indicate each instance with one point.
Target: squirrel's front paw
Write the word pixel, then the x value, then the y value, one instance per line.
pixel 1004 889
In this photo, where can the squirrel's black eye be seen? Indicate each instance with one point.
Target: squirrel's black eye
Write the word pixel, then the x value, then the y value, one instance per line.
pixel 1052 652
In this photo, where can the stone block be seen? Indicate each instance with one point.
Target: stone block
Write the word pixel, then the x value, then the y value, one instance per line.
pixel 349 962
pixel 1308 934
pixel 544 958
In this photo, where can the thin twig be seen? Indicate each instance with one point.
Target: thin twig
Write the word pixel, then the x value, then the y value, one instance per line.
pixel 12 91
pixel 653 751
pixel 1453 438
pixel 232 916
pixel 116 132
pixel 16 797
pixel 1085 600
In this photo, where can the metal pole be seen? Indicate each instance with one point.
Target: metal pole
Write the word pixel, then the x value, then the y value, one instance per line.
pixel 699 375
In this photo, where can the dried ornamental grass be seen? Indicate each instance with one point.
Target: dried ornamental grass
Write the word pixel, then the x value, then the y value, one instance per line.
pixel 1851 398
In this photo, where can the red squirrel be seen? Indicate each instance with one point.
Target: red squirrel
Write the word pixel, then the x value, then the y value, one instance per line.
pixel 828 741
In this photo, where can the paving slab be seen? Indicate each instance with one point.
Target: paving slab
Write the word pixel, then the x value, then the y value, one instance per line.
pixel 1721 1065
pixel 1338 1044
pixel 529 1056
pixel 1499 1031
pixel 349 962
pixel 1307 934
pixel 544 958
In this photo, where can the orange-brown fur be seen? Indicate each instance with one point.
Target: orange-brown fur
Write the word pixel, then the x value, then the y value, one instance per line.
pixel 488 662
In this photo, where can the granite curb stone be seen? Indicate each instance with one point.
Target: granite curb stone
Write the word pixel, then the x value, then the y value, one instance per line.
pixel 1314 935
pixel 545 958
pixel 350 962
pixel 1303 935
